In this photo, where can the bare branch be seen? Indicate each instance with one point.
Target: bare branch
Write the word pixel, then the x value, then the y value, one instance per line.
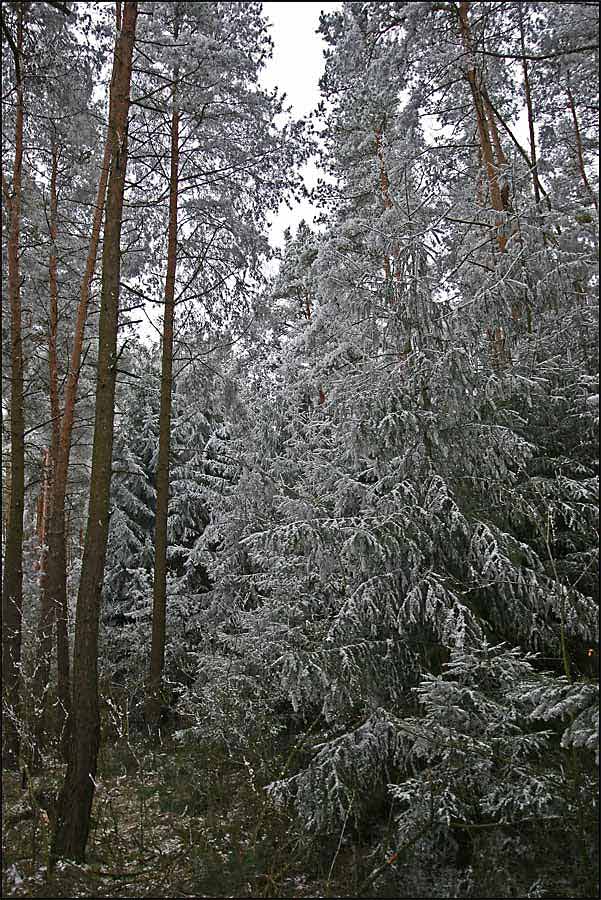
pixel 540 56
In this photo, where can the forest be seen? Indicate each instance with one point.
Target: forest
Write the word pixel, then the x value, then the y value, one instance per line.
pixel 300 543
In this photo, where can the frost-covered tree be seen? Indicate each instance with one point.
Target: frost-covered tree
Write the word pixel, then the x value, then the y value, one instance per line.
pixel 128 584
pixel 360 495
pixel 499 763
pixel 128 574
pixel 414 476
pixel 230 162
pixel 52 130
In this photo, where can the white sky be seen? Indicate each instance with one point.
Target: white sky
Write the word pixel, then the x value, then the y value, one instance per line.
pixel 295 68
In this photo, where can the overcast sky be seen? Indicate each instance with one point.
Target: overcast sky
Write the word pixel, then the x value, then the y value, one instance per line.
pixel 296 67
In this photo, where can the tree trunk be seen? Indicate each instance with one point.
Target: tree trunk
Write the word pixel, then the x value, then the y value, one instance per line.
pixel 159 599
pixel 75 801
pixel 384 190
pixel 47 607
pixel 483 127
pixel 41 525
pixel 12 587
pixel 5 498
pixel 54 587
pixel 529 107
pixel 578 141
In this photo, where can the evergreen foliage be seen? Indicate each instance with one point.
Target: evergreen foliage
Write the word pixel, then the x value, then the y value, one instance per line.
pixel 382 530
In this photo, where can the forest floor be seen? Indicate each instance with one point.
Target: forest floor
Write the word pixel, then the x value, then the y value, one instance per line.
pixel 172 823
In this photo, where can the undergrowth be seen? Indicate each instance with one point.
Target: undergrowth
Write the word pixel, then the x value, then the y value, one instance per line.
pixel 175 822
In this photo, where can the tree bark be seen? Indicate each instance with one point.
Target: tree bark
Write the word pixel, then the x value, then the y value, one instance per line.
pixel 578 140
pixel 159 599
pixel 12 587
pixel 496 197
pixel 54 586
pixel 75 801
pixel 41 525
pixel 5 498
pixel 384 190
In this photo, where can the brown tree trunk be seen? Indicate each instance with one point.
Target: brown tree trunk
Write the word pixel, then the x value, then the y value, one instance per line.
pixel 501 162
pixel 12 587
pixel 75 801
pixel 159 599
pixel 384 190
pixel 578 140
pixel 54 587
pixel 483 125
pixel 384 180
pixel 306 307
pixel 41 525
pixel 501 159
pixel 5 498
pixel 47 608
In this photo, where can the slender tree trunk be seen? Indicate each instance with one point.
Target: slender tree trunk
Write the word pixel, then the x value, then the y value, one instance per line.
pixel 75 801
pixel 306 306
pixel 529 107
pixel 5 499
pixel 159 599
pixel 578 139
pixel 384 190
pixel 41 525
pixel 496 197
pixel 47 607
pixel 12 587
pixel 384 180
pixel 512 137
pixel 501 161
pixel 54 587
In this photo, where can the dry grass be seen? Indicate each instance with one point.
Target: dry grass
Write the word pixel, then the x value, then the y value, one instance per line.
pixel 174 823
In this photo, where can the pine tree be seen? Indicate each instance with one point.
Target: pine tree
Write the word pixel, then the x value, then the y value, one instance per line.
pixel 75 801
pixel 12 585
pixel 420 480
pixel 127 592
pixel 226 156
pixel 70 142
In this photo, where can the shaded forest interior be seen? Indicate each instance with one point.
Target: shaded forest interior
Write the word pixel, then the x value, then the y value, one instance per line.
pixel 300 545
